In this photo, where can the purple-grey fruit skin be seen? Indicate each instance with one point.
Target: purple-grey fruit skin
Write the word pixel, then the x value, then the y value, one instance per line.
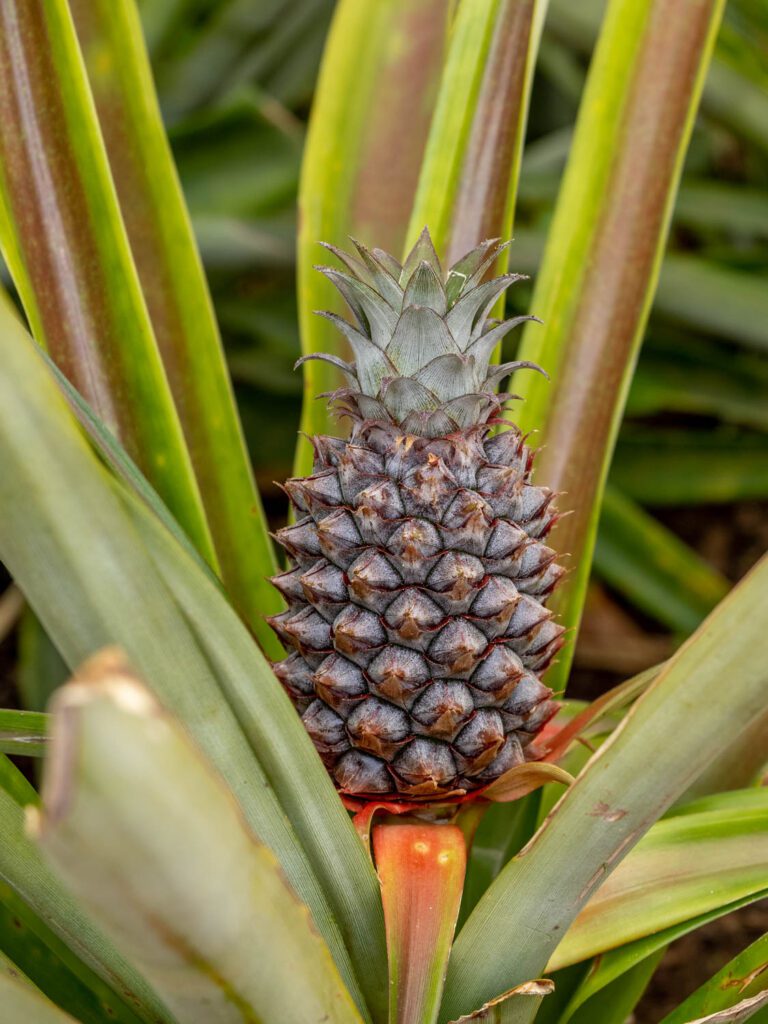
pixel 417 610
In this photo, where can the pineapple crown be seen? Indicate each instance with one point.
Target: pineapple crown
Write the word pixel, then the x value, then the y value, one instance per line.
pixel 422 340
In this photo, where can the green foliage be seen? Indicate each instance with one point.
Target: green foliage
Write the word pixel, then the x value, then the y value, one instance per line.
pixel 188 859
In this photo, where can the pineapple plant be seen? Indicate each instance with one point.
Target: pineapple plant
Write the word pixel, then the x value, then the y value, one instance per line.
pixel 419 579
pixel 187 857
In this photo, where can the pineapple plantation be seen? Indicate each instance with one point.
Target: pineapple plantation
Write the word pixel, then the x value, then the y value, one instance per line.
pixel 342 777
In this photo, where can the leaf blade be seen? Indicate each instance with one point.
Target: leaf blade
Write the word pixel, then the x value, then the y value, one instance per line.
pixel 178 301
pixel 595 285
pixel 152 876
pixel 622 791
pixel 66 246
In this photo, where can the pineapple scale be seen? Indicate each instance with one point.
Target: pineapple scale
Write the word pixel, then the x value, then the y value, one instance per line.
pixel 416 608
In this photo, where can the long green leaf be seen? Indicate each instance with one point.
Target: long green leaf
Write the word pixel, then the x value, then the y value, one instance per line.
pixel 614 1003
pixel 608 969
pixel 148 838
pixel 468 181
pixel 265 714
pixel 22 732
pixel 666 383
pixel 285 753
pixel 743 977
pixel 178 301
pixel 382 57
pixel 603 253
pixel 617 797
pixel 32 892
pixel 84 569
pixel 715 299
pixel 663 467
pixel 21 1001
pixel 650 565
pixel 67 249
pixel 685 866
pixel 56 969
pixel 486 191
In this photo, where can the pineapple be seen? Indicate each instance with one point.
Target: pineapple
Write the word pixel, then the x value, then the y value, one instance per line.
pixel 416 597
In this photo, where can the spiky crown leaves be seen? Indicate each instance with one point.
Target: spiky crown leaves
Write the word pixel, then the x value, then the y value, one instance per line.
pixel 422 341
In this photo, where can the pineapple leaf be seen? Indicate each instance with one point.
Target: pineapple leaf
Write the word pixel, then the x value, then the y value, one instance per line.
pixel 646 562
pixel 467 317
pixel 68 253
pixel 743 978
pixel 371 365
pixel 420 336
pixel 37 899
pixel 686 866
pixel 468 179
pixel 381 279
pixel 373 313
pixel 603 254
pixel 21 1000
pixel 286 756
pixel 22 732
pixel 382 55
pixel 174 877
pixel 423 251
pixel 75 534
pixel 178 301
pixel 618 796
pixel 425 289
pixel 616 965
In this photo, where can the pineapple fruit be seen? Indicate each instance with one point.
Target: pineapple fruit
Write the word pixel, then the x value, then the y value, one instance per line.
pixel 418 581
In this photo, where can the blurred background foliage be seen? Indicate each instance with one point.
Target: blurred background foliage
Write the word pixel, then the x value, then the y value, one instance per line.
pixel 685 512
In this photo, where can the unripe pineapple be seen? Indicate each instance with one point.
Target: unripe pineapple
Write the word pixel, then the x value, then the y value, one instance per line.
pixel 416 598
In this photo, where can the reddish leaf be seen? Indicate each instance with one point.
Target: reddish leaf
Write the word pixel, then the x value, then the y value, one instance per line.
pixel 421 869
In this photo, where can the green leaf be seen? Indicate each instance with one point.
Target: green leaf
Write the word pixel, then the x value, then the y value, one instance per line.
pixel 21 1001
pixel 22 732
pixel 666 383
pixel 58 972
pixel 82 565
pixel 421 870
pixel 14 783
pixel 617 797
pixel 648 564
pixel 468 182
pixel 719 205
pixel 67 250
pixel 744 1011
pixel 614 1003
pixel 32 893
pixel 742 978
pixel 382 57
pixel 685 866
pixel 603 253
pixel 176 292
pixel 40 666
pixel 715 299
pixel 609 968
pixel 285 754
pixel 663 467
pixel 174 877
